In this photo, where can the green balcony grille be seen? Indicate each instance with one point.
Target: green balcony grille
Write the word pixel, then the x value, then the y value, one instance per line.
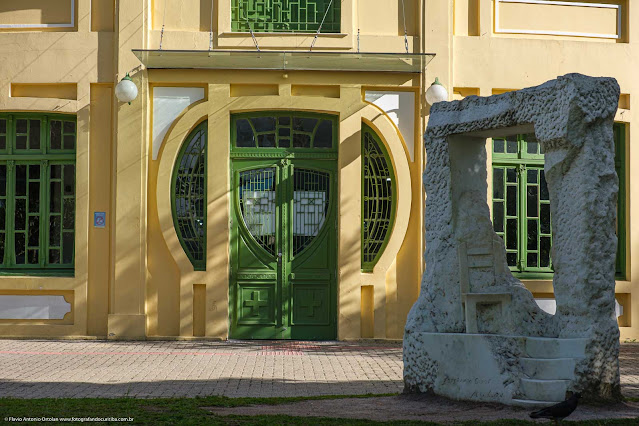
pixel 379 198
pixel 189 196
pixel 285 16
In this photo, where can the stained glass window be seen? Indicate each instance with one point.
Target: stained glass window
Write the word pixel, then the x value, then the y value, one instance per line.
pixel 379 198
pixel 298 16
pixel 189 196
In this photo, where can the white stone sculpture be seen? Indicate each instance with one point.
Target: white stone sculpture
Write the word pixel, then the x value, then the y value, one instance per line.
pixel 475 331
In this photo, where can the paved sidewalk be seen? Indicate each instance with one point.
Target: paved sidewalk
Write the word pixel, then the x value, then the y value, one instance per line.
pixel 151 369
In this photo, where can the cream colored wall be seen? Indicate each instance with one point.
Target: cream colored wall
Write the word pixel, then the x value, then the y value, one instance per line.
pixel 491 62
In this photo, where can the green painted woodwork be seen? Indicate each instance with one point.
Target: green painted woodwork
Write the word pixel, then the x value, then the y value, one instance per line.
pixel 283 244
pixel 379 198
pixel 188 197
pixel 621 225
pixel 521 204
pixel 298 16
pixel 37 194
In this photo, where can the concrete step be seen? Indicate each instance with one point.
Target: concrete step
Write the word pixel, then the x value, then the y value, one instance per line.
pixel 549 368
pixel 543 347
pixel 544 390
pixel 532 404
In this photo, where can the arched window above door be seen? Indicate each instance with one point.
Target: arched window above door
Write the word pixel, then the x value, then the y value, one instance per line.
pixel 188 198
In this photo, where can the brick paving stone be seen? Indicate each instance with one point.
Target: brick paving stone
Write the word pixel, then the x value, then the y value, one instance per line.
pixel 152 369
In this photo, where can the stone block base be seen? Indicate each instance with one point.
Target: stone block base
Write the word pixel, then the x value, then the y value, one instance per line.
pixel 126 327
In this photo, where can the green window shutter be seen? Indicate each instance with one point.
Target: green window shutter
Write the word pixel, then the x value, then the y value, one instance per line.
pixel 37 194
pixel 379 198
pixel 521 204
pixel 296 16
pixel 188 198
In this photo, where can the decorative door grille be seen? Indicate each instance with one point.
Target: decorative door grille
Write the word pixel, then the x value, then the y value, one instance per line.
pixel 257 204
pixel 300 16
pixel 311 198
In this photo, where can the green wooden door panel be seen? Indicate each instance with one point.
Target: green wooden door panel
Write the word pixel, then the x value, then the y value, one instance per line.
pixel 283 249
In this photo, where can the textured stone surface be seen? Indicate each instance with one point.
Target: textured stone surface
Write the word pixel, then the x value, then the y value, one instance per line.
pixel 572 118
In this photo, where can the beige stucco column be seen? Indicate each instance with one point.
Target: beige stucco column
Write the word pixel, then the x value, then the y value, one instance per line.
pixel 127 289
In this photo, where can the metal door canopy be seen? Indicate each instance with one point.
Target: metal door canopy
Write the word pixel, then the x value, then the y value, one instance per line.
pixel 284 60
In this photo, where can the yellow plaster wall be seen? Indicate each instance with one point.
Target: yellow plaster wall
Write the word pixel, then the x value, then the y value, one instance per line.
pixel 35 12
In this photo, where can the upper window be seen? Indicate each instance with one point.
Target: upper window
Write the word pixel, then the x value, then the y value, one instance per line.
pixel 288 16
pixel 287 130
pixel 521 203
pixel 189 196
pixel 379 197
pixel 37 193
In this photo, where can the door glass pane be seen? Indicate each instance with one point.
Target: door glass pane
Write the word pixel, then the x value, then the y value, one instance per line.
pixel 311 198
pixel 256 191
pixel 324 135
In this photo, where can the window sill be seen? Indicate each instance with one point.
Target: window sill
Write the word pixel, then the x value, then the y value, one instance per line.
pixel 280 34
pixel 37 273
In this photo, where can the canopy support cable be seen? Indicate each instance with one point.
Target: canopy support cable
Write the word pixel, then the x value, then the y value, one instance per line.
pixel 163 21
pixel 405 31
pixel 211 29
pixel 320 27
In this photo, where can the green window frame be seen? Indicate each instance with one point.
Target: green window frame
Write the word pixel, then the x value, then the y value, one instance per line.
pixel 285 16
pixel 188 195
pixel 379 198
pixel 37 194
pixel 521 204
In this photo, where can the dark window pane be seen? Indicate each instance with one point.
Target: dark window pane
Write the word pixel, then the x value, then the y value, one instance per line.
pixel 498 146
pixel 544 218
pixel 33 257
pixel 511 258
pixel 56 171
pixel 285 143
pixel 511 201
pixel 68 218
pixel 34 197
pixel 54 256
pixel 324 135
pixel 301 141
pixel 21 126
pixel 263 124
pixel 20 248
pixel 34 172
pixel 56 197
pixel 20 216
pixel 34 231
pixel 54 231
pixel 3 126
pixel 67 247
pixel 3 216
pixel 543 187
pixel 532 235
pixel 511 175
pixel 531 201
pixel 498 183
pixel 498 216
pixel 1 248
pixel 532 146
pixel 69 181
pixel 511 145
pixel 3 180
pixel 3 142
pixel 531 260
pixel 544 252
pixel 244 134
pixel 304 124
pixel 34 134
pixel 511 234
pixel 266 141
pixel 21 180
pixel 284 131
pixel 69 127
pixel 56 134
pixel 533 174
pixel 21 142
pixel 284 121
pixel 69 141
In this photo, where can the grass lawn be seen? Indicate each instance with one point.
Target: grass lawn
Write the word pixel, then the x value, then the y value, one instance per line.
pixel 189 411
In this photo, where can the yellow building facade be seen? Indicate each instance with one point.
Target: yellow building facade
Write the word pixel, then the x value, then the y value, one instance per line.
pixel 250 193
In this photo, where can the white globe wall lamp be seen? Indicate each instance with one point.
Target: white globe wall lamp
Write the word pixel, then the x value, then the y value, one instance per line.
pixel 436 93
pixel 126 90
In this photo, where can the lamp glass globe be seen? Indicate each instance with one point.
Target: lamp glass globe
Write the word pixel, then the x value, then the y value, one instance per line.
pixel 436 93
pixel 126 90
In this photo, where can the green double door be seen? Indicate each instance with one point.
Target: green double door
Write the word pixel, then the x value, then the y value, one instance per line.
pixel 283 249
